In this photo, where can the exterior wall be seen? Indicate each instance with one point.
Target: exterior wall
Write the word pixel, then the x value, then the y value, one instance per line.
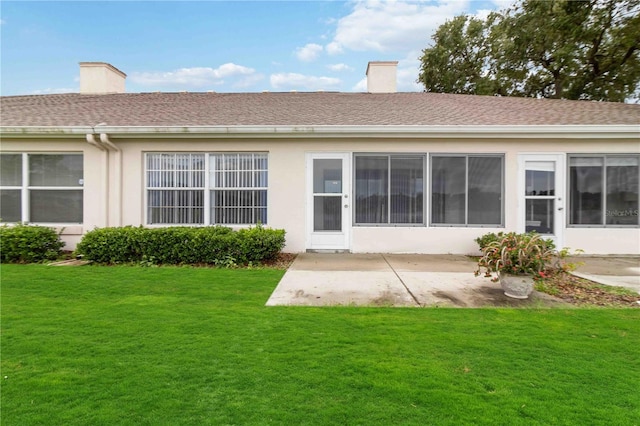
pixel 120 201
pixel 604 240
pixel 94 200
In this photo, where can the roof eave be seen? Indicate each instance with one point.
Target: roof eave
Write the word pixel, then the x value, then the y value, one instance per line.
pixel 378 131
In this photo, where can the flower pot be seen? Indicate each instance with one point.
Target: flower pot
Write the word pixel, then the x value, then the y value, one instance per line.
pixel 517 286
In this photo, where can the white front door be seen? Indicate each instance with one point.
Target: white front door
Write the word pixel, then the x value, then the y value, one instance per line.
pixel 541 199
pixel 328 201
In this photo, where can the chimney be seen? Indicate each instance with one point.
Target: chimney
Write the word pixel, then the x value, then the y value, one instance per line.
pixel 100 78
pixel 381 77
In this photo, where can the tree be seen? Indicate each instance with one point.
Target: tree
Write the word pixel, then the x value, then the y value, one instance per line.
pixel 587 49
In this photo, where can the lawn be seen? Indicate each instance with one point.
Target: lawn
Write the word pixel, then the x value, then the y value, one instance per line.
pixel 170 346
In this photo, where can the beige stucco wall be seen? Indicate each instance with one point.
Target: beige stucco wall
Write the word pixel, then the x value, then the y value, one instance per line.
pixel 287 192
pixel 100 78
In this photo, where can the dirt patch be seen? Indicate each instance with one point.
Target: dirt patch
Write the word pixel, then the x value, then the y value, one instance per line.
pixel 281 261
pixel 494 296
pixel 451 298
pixel 583 292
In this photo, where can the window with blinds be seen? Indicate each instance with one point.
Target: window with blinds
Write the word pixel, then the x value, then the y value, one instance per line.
pixel 238 184
pixel 389 189
pixel 203 188
pixel 467 190
pixel 41 188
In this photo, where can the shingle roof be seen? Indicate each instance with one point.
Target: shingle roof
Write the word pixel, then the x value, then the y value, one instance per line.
pixel 308 109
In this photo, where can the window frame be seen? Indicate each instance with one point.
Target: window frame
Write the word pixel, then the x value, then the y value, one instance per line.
pixel 466 156
pixel 389 224
pixel 604 157
pixel 206 189
pixel 26 188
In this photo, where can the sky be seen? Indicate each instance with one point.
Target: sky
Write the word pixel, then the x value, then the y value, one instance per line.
pixel 222 46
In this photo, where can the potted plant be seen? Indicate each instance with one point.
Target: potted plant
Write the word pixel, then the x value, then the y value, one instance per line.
pixel 514 260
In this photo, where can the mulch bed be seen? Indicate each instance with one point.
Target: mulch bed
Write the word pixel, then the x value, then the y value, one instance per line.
pixel 580 291
pixel 282 261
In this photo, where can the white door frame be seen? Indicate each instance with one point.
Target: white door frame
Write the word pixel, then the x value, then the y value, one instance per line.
pixel 559 197
pixel 329 240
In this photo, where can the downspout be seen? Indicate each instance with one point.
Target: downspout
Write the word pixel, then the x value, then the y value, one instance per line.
pixel 104 139
pixel 91 139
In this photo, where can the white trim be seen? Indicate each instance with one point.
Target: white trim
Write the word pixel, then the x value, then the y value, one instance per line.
pixel 324 131
pixel 559 216
pixel 328 240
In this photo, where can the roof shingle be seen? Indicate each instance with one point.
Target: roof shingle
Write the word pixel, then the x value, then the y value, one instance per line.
pixel 305 109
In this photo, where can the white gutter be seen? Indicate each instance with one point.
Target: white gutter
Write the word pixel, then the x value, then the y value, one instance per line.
pixel 90 137
pixel 395 131
pixel 104 139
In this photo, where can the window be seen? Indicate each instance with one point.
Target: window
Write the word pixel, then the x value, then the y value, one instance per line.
pixel 198 188
pixel 466 190
pixel 603 189
pixel 238 188
pixel 41 188
pixel 175 188
pixel 389 189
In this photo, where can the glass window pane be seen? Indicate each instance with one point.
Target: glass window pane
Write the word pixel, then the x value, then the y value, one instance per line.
pixel 55 170
pixel 11 170
pixel 622 191
pixel 10 205
pixel 238 207
pixel 448 190
pixel 327 176
pixel 406 190
pixel 485 191
pixel 585 191
pixel 539 215
pixel 175 206
pixel 372 189
pixel 51 206
pixel 540 178
pixel 327 213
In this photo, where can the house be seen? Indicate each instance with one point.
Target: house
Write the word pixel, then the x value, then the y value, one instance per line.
pixel 363 172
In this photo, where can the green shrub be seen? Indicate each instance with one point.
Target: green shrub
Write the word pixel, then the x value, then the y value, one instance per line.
pixel 488 238
pixel 516 254
pixel 214 245
pixel 29 243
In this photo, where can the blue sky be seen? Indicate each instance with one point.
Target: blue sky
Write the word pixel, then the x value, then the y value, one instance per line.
pixel 240 46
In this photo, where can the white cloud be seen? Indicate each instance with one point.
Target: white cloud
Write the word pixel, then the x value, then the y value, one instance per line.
pixel 294 81
pixel 391 26
pixel 334 48
pixel 199 76
pixel 339 67
pixel 49 90
pixel 503 4
pixel 408 71
pixel 360 86
pixel 309 52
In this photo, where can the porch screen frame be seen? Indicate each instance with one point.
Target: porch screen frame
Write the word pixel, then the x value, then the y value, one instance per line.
pixel 603 188
pixel 466 223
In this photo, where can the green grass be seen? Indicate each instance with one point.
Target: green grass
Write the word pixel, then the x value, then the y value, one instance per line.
pixel 170 346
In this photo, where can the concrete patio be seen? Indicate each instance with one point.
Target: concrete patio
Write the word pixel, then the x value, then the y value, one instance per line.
pixel 411 280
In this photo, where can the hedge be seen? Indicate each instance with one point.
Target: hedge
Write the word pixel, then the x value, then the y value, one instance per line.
pixel 215 245
pixel 22 243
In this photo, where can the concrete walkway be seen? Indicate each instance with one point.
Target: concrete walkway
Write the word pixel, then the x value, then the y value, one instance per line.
pixel 421 280
pixel 616 271
pixel 392 280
